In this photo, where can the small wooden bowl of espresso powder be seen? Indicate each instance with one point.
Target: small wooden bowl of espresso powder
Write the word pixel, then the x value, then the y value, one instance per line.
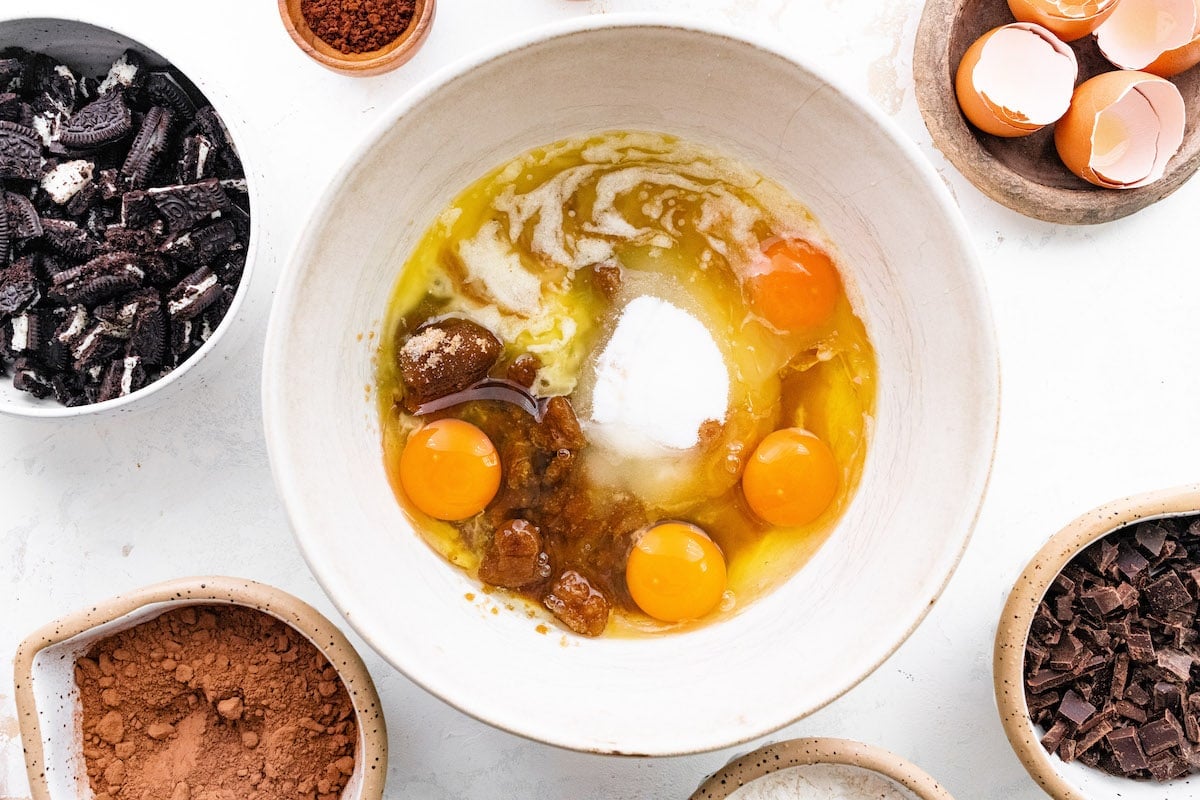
pixel 212 699
pixel 358 37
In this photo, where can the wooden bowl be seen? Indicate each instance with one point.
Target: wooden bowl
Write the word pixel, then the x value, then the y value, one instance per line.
pixel 808 752
pixel 1075 781
pixel 374 62
pixel 1026 174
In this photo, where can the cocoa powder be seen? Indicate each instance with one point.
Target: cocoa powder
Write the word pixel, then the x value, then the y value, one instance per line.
pixel 214 703
pixel 358 26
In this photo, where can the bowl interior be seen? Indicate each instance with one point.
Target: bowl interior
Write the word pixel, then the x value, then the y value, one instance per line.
pixel 90 49
pixel 915 283
pixel 56 695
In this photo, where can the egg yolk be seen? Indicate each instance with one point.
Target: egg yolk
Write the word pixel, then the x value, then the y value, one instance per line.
pixel 675 572
pixel 791 478
pixel 450 469
pixel 799 288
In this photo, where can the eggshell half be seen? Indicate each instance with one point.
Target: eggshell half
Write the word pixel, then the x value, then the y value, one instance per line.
pixel 1139 32
pixel 1067 19
pixel 1180 59
pixel 1122 129
pixel 1016 79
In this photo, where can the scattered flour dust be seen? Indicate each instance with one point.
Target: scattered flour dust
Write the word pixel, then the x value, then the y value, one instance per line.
pixel 823 782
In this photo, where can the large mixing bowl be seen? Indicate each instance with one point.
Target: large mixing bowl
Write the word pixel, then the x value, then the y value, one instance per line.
pixel 915 282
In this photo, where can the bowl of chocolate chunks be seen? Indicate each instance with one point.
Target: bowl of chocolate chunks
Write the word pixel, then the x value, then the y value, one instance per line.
pixel 125 228
pixel 1097 660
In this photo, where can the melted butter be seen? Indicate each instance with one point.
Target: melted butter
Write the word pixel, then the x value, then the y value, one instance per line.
pixel 685 224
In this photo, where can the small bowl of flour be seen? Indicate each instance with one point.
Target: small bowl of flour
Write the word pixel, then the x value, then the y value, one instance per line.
pixel 820 769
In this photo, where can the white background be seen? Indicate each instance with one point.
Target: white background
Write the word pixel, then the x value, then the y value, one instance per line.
pixel 1100 347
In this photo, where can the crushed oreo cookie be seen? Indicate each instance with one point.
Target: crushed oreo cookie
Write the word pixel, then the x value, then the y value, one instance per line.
pixel 123 227
pixel 1113 656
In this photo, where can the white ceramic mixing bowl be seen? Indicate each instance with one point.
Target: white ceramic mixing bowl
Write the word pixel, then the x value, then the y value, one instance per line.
pixel 916 284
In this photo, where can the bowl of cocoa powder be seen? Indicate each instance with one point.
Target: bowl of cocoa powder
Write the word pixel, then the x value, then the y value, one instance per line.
pixel 358 37
pixel 199 688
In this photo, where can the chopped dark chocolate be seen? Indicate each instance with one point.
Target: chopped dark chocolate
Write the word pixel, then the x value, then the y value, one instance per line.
pixel 1110 665
pixel 1167 593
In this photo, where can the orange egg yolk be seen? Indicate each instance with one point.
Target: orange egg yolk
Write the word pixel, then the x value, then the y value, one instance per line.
pixel 798 290
pixel 791 478
pixel 450 469
pixel 675 572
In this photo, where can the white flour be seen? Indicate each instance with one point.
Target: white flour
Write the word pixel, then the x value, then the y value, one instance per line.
pixel 823 782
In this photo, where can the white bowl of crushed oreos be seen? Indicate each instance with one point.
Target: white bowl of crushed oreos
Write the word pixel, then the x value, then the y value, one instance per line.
pixel 820 769
pixel 126 239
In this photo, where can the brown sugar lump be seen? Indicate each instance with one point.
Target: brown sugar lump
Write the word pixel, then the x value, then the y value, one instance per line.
pixel 1112 663
pixel 214 701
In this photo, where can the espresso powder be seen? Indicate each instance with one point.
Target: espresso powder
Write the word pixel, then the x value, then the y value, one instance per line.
pixel 358 26
pixel 214 703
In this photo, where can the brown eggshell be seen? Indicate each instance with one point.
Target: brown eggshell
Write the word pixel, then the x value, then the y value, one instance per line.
pixel 976 107
pixel 1073 133
pixel 1047 14
pixel 1121 38
pixel 1173 62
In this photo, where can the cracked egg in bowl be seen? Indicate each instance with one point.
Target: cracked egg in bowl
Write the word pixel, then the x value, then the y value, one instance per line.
pixel 636 416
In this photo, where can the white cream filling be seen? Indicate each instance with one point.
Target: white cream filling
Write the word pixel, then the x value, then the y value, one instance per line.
pixel 20 337
pixel 175 306
pixel 67 179
pixel 130 364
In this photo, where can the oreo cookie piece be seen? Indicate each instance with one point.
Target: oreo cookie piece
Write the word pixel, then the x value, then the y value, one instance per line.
pixel 196 160
pixel 99 123
pixel 123 376
pixel 5 236
pixel 68 390
pixel 12 71
pixel 23 219
pixel 93 350
pixel 19 287
pixel 29 377
pixel 11 107
pixel 161 89
pixel 208 122
pixel 150 338
pixel 20 152
pixel 183 207
pixel 128 72
pixel 137 209
pixel 46 78
pixel 202 245
pixel 194 294
pixel 151 142
pixel 64 236
pixel 102 278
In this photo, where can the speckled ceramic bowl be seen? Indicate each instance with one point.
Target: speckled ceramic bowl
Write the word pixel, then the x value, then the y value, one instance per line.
pixel 48 700
pixel 86 45
pixel 912 274
pixel 906 778
pixel 1074 781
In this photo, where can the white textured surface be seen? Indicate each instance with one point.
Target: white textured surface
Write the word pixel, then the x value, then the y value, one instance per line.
pixel 1099 342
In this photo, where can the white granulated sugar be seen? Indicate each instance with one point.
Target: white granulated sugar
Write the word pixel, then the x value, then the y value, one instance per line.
pixel 64 181
pixel 823 782
pixel 493 264
pixel 659 378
